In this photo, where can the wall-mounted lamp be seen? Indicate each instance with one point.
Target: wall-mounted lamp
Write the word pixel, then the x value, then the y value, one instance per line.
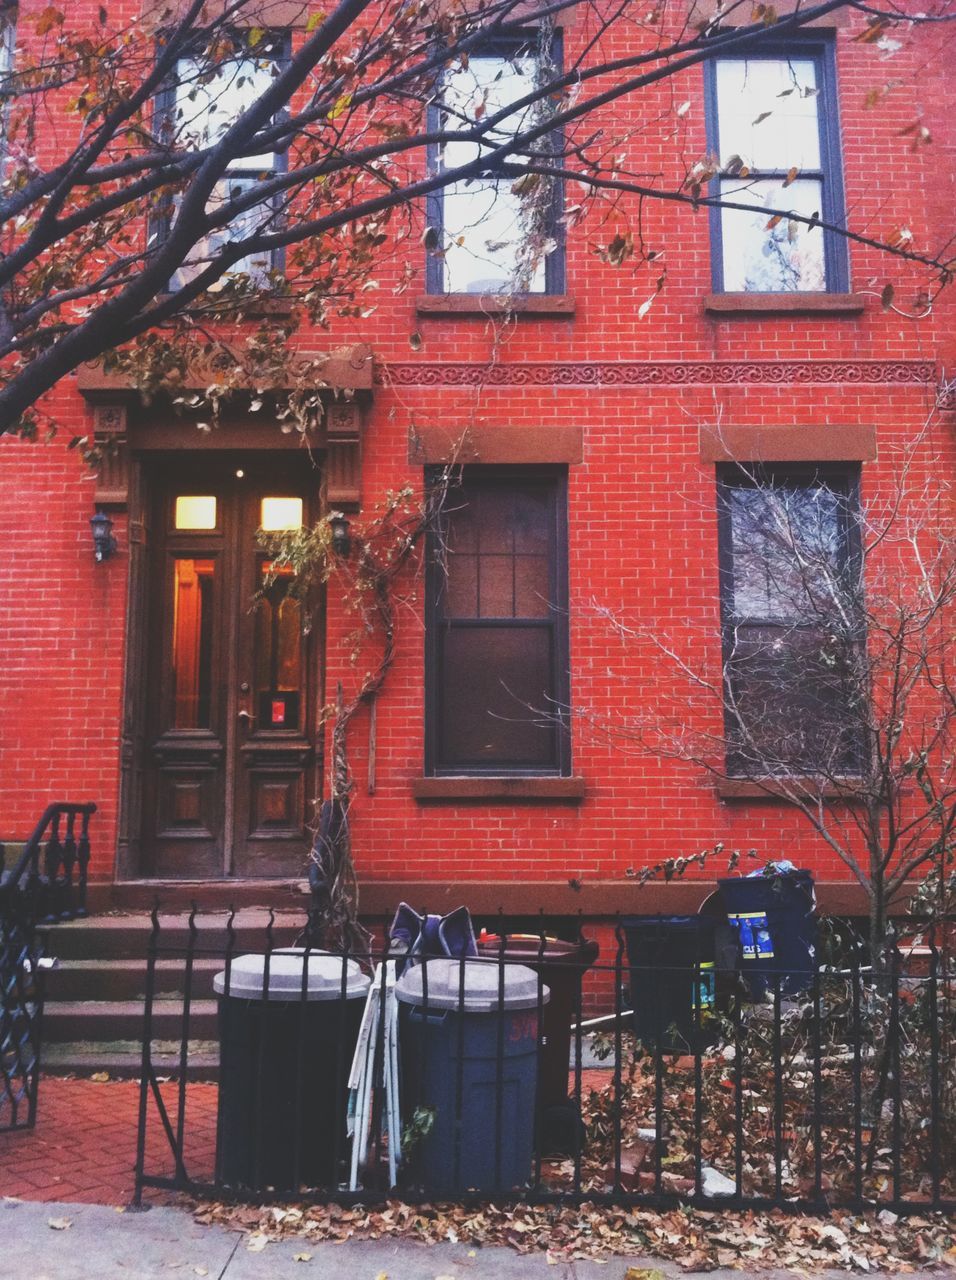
pixel 341 536
pixel 104 544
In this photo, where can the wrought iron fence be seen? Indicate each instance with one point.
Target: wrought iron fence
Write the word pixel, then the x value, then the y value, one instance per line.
pixel 479 1079
pixel 47 883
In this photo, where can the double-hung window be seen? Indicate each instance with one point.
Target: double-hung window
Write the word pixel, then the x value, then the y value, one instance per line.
pixel 8 39
pixel 199 108
pixel 497 633
pixel 773 124
pixel 494 232
pixel 792 621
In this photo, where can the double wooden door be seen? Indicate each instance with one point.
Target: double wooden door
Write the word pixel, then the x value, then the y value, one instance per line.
pixel 232 678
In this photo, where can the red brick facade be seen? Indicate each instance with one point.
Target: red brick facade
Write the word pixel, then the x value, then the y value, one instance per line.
pixel 633 395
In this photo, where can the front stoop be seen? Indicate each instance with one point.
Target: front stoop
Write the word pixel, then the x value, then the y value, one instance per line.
pixel 93 1018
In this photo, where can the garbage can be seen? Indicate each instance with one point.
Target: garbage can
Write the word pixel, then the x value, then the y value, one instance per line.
pixel 470 1062
pixel 283 1068
pixel 671 960
pixel 774 918
pixel 562 966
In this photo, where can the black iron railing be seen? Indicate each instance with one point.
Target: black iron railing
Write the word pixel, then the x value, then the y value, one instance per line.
pixel 840 1094
pixel 46 884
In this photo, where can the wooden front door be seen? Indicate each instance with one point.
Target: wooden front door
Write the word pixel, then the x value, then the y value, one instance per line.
pixel 230 766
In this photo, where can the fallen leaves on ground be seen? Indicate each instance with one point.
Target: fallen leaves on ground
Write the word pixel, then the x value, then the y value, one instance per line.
pixel 700 1240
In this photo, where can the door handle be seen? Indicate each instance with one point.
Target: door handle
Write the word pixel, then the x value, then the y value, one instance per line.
pixel 248 717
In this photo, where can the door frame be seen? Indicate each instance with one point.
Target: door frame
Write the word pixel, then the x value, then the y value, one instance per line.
pixel 148 473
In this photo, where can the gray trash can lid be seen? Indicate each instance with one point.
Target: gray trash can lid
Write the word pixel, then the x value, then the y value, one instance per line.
pixel 481 993
pixel 323 979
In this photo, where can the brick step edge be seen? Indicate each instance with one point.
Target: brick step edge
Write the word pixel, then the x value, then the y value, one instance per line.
pixel 122 1060
pixel 125 979
pixel 71 1020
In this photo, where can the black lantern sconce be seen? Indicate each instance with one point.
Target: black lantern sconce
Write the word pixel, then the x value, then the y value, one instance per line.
pixel 341 535
pixel 104 544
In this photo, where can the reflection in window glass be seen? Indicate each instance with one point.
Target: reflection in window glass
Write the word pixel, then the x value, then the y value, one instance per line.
pixel 788 551
pixel 785 258
pixel 278 515
pixel 767 108
pixel 192 642
pixel 209 102
pixel 206 104
pixel 774 156
pixel 792 626
pixel 485 229
pixel 278 659
pixel 8 35
pixel 195 511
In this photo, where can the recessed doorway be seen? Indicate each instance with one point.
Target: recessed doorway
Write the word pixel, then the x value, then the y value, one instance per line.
pixel 232 672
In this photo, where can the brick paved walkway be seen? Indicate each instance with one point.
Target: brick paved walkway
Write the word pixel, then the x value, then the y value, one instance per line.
pixel 83 1148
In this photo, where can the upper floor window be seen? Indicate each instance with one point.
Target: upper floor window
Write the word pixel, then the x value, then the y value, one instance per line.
pixel 497 634
pixel 8 43
pixel 487 234
pixel 792 621
pixel 773 124
pixel 205 100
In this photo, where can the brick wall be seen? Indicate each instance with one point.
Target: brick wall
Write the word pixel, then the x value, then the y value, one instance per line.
pixel 642 513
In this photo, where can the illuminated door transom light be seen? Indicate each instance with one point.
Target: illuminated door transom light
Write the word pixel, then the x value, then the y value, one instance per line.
pixel 278 515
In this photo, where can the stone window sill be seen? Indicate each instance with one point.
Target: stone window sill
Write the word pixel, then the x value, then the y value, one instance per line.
pixel 569 790
pixel 774 789
pixel 554 305
pixel 797 304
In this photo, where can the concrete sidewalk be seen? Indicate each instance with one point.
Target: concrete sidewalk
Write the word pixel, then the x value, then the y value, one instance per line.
pixel 92 1242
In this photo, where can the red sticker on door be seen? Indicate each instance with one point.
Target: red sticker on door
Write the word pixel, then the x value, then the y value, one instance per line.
pixel 278 711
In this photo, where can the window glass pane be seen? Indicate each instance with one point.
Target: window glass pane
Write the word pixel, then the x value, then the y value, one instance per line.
pixel 485 226
pixel 786 258
pixel 496 587
pixel 484 231
pixel 192 674
pixel 8 36
pixel 487 85
pixel 498 700
pixel 496 508
pixel 256 265
pixel 767 112
pixel 462 530
pixel 461 590
pixel 788 553
pixel 791 692
pixel 494 693
pixel 277 515
pixel 208 103
pixel 278 654
pixel 195 511
pixel 531 587
pixel 532 520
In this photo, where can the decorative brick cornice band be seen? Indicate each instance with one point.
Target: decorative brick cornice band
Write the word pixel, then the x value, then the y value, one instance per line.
pixel 640 373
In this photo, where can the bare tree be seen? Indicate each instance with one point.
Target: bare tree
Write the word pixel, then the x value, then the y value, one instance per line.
pixel 202 158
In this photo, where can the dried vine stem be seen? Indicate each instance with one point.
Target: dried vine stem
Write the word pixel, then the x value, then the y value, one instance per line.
pixel 387 551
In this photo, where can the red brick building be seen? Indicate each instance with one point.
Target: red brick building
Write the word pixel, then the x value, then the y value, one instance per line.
pixel 595 429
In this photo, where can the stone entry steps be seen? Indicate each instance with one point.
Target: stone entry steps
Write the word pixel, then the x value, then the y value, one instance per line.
pixel 93 1017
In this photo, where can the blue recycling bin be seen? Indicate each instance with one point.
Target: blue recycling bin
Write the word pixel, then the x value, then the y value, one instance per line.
pixel 774 917
pixel 469 1054
pixel 671 960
